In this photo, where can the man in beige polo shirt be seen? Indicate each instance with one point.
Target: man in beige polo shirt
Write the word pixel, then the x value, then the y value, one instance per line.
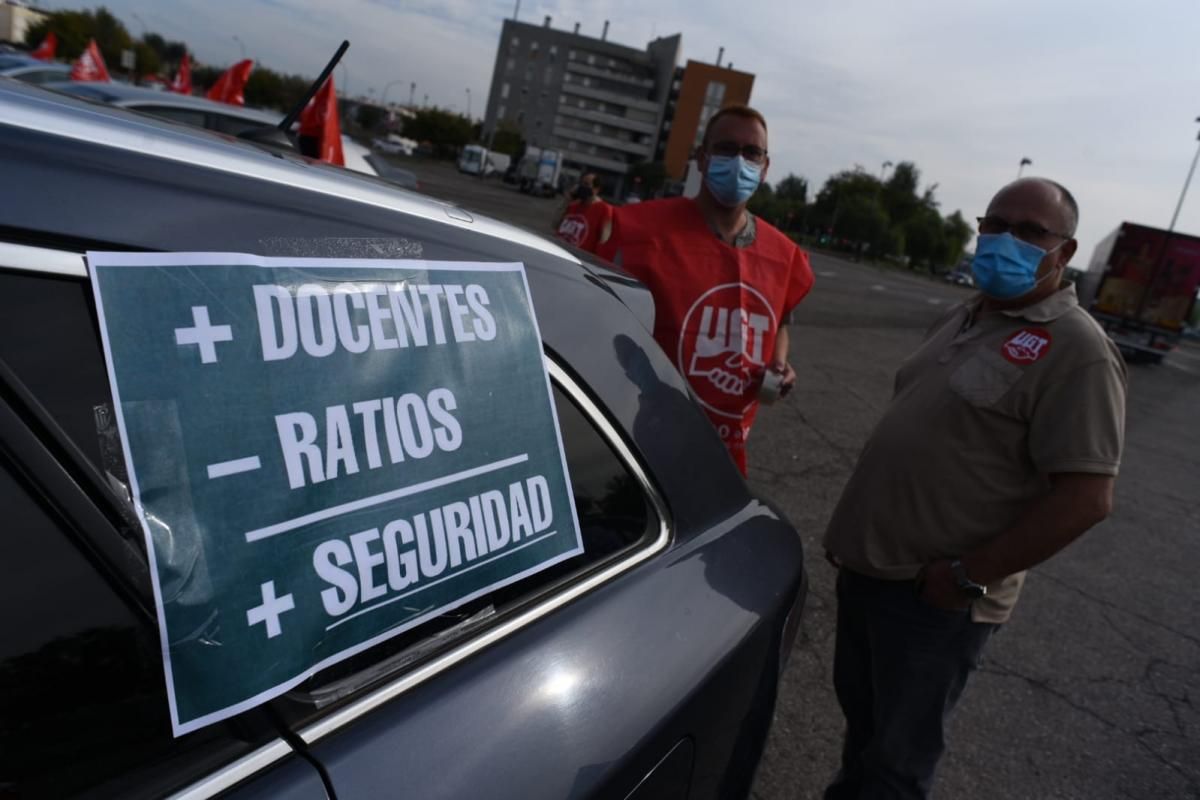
pixel 1000 447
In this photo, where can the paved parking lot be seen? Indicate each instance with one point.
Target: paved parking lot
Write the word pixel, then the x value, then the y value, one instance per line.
pixel 1093 688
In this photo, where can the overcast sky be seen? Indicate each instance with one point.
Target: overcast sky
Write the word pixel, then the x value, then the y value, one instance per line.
pixel 1101 95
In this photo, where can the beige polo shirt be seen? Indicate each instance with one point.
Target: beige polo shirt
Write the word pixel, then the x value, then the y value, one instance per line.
pixel 983 413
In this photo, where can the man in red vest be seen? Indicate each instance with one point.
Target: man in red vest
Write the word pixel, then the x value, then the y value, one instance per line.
pixel 585 217
pixel 723 281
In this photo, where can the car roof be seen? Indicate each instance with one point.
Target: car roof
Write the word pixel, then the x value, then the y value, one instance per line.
pixel 52 113
pixel 120 94
pixel 12 64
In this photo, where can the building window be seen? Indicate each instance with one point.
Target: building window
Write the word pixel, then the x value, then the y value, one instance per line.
pixel 582 103
pixel 570 55
pixel 558 119
pixel 553 53
pixel 587 81
pixel 500 112
pixel 612 62
pixel 528 74
pixel 504 91
pixel 516 42
pixel 549 75
pixel 562 99
pixel 591 59
pixel 596 128
pixel 510 65
pixel 520 117
pixel 714 96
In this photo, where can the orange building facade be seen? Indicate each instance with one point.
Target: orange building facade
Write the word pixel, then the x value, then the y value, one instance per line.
pixel 703 90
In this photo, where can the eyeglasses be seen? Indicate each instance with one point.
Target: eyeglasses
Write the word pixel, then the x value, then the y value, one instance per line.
pixel 1025 231
pixel 751 152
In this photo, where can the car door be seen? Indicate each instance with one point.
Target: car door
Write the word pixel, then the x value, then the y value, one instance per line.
pixel 83 701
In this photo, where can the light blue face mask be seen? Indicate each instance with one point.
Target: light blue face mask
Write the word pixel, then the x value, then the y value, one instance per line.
pixel 732 179
pixel 1006 267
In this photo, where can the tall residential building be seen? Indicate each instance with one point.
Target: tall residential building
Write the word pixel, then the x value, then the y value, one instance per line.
pixel 698 91
pixel 601 104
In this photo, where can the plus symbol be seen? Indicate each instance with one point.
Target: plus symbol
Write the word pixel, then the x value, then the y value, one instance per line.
pixel 204 334
pixel 271 609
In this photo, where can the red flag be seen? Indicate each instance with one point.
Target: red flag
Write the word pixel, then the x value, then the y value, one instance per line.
pixel 319 122
pixel 231 86
pixel 90 65
pixel 45 51
pixel 183 78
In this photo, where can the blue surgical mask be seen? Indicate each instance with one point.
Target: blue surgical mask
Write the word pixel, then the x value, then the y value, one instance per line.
pixel 732 179
pixel 1006 267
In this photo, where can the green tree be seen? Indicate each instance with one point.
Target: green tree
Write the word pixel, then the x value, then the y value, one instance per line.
pixel 956 235
pixel 446 131
pixel 793 189
pixel 370 117
pixel 507 139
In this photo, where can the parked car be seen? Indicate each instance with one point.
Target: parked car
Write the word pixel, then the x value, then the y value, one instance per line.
pixel 204 113
pixel 646 667
pixel 393 144
pixel 31 70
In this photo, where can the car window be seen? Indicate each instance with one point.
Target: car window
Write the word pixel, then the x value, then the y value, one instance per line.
pixel 234 126
pixel 41 76
pixel 187 116
pixel 62 367
pixel 83 705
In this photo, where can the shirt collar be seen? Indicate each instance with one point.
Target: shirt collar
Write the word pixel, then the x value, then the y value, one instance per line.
pixel 1045 310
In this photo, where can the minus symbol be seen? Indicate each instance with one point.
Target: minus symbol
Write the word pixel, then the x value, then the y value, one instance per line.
pixel 234 467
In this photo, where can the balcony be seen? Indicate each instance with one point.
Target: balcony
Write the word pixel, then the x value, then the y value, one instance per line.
pixel 641 150
pixel 610 75
pixel 596 162
pixel 611 97
pixel 608 119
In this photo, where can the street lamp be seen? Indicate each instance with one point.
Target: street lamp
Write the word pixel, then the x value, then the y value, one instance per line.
pixel 1166 242
pixel 1025 162
pixel 468 102
pixel 141 22
pixel 412 90
pixel 1191 171
pixel 239 41
pixel 883 169
pixel 383 97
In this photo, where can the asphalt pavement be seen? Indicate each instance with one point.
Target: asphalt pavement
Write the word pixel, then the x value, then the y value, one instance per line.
pixel 1092 690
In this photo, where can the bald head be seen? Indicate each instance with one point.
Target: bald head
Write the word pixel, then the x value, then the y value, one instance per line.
pixel 1039 200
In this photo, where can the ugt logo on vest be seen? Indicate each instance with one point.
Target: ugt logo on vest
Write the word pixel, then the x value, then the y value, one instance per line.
pixel 574 229
pixel 1027 345
pixel 723 347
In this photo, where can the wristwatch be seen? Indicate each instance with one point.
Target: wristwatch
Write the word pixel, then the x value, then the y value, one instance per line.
pixel 967 586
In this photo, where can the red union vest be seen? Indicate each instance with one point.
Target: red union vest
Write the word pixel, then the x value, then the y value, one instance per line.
pixel 717 307
pixel 582 224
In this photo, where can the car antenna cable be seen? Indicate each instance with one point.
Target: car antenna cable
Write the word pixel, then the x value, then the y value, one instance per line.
pixel 294 114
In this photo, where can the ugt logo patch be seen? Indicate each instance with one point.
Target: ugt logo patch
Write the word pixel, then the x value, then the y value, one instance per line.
pixel 1027 345
pixel 723 347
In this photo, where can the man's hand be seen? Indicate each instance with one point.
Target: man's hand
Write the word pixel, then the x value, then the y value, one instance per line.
pixel 789 376
pixel 939 587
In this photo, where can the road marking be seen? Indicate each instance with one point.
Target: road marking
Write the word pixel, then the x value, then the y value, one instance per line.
pixel 827 273
pixel 934 301
pixel 234 467
pixel 879 287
